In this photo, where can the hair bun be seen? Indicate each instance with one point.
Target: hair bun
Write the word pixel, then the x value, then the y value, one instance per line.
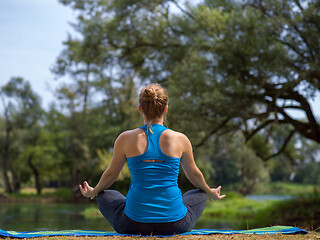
pixel 153 100
pixel 150 94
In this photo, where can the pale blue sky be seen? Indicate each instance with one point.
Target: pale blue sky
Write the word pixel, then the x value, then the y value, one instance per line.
pixel 32 32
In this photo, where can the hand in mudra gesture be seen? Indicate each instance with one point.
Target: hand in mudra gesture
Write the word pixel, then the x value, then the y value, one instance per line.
pixel 87 191
pixel 214 194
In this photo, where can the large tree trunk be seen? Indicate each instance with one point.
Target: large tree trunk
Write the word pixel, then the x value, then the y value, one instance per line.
pixel 36 175
pixel 16 183
pixel 4 161
pixel 76 176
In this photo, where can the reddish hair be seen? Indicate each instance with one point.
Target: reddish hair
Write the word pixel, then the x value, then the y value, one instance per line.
pixel 153 100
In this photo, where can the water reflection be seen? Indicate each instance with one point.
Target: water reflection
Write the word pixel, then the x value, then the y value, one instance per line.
pixel 34 217
pixel 269 197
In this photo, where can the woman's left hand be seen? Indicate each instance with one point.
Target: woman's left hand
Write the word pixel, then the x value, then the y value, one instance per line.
pixel 214 194
pixel 87 191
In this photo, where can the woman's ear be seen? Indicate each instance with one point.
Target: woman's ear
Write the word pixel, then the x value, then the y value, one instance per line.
pixel 166 109
pixel 140 109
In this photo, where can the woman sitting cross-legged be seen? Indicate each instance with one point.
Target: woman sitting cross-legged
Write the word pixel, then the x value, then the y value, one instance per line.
pixel 154 203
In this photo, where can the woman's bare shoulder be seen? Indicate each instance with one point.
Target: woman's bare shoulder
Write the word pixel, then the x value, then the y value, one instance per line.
pixel 132 132
pixel 169 133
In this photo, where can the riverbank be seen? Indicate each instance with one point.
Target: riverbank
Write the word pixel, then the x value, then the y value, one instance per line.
pixel 48 195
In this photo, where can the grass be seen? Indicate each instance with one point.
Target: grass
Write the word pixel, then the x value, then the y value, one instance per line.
pixel 92 213
pixel 283 188
pixel 61 194
pixel 234 206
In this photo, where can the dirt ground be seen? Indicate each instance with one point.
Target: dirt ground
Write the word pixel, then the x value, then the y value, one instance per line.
pixel 309 236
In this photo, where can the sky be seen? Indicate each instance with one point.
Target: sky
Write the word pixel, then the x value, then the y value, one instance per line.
pixel 32 35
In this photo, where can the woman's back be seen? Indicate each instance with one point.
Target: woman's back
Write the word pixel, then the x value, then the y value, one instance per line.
pixel 154 195
pixel 137 143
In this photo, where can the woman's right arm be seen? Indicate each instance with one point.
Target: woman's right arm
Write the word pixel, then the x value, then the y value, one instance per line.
pixel 194 174
pixel 111 174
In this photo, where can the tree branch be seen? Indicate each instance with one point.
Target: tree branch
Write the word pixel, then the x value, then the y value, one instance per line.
pixel 130 50
pixel 213 131
pixel 305 41
pixel 184 11
pixel 303 128
pixel 293 48
pixel 304 105
pixel 293 107
pixel 263 125
pixel 299 5
pixel 285 93
pixel 287 140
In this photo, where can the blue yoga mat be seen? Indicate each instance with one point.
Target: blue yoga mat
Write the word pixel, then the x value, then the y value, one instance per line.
pixel 79 233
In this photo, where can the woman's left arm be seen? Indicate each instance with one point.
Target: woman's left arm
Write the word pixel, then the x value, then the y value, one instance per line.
pixel 111 174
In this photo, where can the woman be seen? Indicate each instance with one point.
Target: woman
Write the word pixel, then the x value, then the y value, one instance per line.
pixel 154 203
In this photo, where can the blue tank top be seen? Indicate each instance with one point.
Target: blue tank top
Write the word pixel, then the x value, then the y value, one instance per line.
pixel 154 195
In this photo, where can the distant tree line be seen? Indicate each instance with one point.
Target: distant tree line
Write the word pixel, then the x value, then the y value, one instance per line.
pixel 233 70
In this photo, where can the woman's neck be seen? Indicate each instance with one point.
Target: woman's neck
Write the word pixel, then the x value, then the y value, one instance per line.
pixel 158 121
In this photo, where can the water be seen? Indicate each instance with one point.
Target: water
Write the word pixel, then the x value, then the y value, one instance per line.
pixel 269 197
pixel 37 216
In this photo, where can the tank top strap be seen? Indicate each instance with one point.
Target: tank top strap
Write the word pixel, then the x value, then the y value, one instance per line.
pixel 156 129
pixel 154 136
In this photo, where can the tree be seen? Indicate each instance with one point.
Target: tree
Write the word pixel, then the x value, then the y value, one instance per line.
pixel 308 170
pixel 22 113
pixel 98 104
pixel 217 57
pixel 40 155
pixel 247 55
pixel 237 164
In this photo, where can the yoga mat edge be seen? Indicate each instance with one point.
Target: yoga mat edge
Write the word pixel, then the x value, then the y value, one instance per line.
pixel 79 233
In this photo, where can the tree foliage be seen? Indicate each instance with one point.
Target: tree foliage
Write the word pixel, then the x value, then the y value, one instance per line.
pixel 231 67
pixel 21 119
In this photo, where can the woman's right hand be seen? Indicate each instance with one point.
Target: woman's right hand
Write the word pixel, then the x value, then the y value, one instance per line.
pixel 214 194
pixel 87 191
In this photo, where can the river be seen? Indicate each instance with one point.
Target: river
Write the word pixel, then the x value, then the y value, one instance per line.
pixel 37 216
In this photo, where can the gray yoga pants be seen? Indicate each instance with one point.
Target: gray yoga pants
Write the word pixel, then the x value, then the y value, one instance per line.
pixel 111 204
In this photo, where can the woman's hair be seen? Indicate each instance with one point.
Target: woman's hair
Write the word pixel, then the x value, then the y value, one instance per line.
pixel 153 100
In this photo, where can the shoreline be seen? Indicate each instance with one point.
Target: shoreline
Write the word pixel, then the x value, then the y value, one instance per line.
pixel 43 199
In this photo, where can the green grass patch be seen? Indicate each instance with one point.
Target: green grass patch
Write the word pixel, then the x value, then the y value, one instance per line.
pixel 91 213
pixel 235 207
pixel 289 188
pixel 31 193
